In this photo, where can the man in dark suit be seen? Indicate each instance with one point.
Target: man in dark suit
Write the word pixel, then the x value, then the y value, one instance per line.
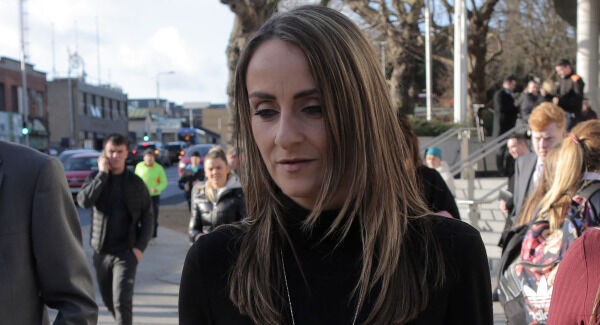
pixel 547 123
pixel 122 225
pixel 505 118
pixel 569 94
pixel 42 261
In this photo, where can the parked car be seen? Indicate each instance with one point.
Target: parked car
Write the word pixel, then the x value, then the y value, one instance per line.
pixel 137 153
pixel 185 159
pixel 65 155
pixel 78 167
pixel 176 150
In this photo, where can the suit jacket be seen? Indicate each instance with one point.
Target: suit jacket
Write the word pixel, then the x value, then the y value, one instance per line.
pixel 42 261
pixel 524 168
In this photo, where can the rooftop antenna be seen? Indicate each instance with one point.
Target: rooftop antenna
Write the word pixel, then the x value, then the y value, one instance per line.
pixel 76 38
pixel 98 49
pixel 24 93
pixel 53 54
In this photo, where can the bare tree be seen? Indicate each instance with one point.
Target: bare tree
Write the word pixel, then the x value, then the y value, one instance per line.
pixel 249 16
pixel 479 39
pixel 397 24
pixel 536 36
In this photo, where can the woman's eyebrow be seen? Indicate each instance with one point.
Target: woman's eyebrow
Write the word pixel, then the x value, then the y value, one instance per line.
pixel 260 94
pixel 305 93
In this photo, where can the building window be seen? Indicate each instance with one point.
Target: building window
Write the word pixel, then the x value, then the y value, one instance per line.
pixel 2 98
pixel 36 103
pixel 14 98
pixel 85 103
pixel 95 111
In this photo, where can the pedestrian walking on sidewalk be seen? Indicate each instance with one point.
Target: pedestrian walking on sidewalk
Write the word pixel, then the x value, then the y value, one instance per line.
pixel 336 229
pixel 122 226
pixel 220 200
pixel 191 175
pixel 153 175
pixel 42 261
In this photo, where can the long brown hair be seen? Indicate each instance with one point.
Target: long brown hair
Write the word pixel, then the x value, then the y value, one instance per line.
pixel 579 153
pixel 366 151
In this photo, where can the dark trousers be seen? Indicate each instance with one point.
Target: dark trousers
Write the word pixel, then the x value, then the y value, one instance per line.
pixel 155 203
pixel 572 120
pixel 116 276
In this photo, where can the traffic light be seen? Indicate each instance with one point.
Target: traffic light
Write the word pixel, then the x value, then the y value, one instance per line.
pixel 25 129
pixel 146 137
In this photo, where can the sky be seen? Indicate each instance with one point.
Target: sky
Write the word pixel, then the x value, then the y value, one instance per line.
pixel 138 40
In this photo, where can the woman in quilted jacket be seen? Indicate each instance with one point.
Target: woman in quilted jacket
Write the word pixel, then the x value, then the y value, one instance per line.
pixel 218 201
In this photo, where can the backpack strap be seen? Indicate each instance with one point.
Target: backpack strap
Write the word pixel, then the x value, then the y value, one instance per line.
pixel 589 190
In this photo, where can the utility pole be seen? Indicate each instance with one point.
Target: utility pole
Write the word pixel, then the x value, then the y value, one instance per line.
pixel 24 92
pixel 460 61
pixel 428 58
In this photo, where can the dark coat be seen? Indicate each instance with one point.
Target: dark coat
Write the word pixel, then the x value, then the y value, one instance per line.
pixel 524 168
pixel 526 103
pixel 187 179
pixel 570 93
pixel 505 112
pixel 229 207
pixel 94 193
pixel 42 261
pixel 436 193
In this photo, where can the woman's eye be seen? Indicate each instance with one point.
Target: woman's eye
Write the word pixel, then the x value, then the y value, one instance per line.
pixel 313 110
pixel 266 113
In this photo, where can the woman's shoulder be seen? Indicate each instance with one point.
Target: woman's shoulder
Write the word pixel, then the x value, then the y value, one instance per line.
pixel 449 228
pixel 217 249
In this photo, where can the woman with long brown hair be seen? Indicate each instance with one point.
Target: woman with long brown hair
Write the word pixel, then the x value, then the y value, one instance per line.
pixel 336 230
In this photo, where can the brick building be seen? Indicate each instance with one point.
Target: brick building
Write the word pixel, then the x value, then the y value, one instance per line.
pixel 11 112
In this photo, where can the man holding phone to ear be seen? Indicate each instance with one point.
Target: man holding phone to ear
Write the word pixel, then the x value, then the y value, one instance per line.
pixel 122 225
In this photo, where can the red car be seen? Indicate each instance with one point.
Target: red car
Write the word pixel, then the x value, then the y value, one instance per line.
pixel 78 168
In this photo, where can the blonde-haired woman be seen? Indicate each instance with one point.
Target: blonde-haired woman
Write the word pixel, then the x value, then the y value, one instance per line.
pixel 336 230
pixel 576 292
pixel 577 167
pixel 220 200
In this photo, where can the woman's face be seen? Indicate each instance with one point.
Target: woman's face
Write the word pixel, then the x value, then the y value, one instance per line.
pixel 287 119
pixel 216 172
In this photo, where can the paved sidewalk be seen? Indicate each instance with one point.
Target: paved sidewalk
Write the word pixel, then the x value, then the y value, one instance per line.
pixel 157 281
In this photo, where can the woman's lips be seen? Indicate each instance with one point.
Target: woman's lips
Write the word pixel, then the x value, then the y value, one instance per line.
pixel 294 165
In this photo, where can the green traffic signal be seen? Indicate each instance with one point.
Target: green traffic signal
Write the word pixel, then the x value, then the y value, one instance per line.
pixel 146 138
pixel 25 129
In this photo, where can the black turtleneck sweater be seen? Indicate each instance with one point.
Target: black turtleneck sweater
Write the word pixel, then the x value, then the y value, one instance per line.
pixel 332 274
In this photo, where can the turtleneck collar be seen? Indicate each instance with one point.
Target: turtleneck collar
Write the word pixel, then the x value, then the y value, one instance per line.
pixel 294 215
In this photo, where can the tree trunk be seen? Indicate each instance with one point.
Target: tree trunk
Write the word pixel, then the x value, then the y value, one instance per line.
pixel 249 16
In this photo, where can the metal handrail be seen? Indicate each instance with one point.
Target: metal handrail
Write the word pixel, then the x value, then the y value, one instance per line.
pixel 485 198
pixel 487 149
pixel 440 139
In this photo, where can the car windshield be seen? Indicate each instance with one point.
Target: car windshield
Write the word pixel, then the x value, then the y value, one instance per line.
pixel 201 148
pixel 82 163
pixel 65 155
